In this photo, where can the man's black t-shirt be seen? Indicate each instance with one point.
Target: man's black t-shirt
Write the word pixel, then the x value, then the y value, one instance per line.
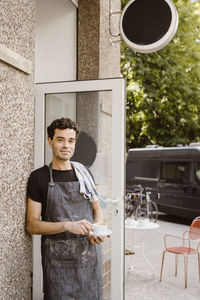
pixel 38 183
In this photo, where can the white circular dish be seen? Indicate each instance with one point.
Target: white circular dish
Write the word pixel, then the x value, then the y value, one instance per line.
pixel 108 232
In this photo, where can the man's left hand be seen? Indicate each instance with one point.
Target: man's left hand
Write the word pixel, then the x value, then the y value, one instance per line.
pixel 96 239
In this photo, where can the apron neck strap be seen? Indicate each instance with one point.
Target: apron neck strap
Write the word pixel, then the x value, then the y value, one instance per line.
pixel 51 176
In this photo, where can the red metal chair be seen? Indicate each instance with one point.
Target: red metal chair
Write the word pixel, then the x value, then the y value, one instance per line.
pixel 185 248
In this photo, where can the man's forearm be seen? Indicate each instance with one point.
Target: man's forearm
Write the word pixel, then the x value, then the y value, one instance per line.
pixel 46 228
pixel 98 216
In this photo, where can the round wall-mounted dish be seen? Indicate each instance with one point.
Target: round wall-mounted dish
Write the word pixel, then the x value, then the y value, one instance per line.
pixel 148 25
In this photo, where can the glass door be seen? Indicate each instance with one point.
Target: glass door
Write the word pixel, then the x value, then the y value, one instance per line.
pixel 98 107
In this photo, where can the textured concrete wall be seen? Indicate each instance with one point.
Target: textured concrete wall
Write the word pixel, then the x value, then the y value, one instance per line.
pixel 16 149
pixel 88 39
pixel 97 57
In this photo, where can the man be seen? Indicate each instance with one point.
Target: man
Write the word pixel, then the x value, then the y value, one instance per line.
pixel 64 195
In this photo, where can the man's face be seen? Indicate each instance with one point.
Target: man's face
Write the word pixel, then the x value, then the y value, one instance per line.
pixel 63 143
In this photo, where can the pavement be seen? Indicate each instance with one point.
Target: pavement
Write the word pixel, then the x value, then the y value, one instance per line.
pixel 140 282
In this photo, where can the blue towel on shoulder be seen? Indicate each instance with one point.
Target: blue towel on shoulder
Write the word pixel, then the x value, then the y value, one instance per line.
pixel 87 185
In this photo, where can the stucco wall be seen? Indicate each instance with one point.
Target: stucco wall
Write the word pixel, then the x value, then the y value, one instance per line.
pixel 16 149
pixel 109 54
pixel 97 57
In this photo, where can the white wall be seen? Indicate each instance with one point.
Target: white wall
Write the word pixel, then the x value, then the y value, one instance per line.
pixel 55 43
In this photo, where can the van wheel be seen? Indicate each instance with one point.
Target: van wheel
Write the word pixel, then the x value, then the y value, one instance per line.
pixel 147 211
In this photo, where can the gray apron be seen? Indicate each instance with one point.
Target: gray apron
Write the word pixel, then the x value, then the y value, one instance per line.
pixel 72 267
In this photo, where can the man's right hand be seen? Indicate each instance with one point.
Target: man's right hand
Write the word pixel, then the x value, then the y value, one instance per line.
pixel 79 227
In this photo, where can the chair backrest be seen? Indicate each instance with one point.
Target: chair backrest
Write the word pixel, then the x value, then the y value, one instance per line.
pixel 194 230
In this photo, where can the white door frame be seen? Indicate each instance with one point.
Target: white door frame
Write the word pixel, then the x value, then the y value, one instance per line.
pixel 118 88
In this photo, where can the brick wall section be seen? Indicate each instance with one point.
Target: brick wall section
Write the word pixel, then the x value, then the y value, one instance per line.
pixel 106 279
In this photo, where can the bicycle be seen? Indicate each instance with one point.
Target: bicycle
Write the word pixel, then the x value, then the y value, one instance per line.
pixel 131 201
pixel 147 208
pixel 139 203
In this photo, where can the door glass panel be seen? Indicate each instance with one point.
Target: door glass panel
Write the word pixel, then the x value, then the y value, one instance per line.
pixel 92 111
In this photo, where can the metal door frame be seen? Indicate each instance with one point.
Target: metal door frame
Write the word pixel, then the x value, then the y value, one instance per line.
pixel 118 88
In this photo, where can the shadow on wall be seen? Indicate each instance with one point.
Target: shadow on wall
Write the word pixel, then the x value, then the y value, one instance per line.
pixel 86 150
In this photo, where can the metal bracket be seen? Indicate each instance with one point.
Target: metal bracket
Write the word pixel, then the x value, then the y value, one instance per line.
pixel 112 42
pixel 111 14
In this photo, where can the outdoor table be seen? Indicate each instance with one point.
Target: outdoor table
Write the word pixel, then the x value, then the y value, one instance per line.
pixel 137 225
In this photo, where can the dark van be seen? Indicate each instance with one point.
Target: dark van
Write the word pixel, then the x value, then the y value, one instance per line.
pixel 172 172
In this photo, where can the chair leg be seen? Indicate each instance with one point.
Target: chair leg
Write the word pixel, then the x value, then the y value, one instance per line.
pixel 186 268
pixel 176 264
pixel 199 264
pixel 163 257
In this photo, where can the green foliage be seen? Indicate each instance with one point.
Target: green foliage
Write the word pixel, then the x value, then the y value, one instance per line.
pixel 163 88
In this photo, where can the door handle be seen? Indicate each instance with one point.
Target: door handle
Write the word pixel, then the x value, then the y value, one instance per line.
pixel 106 200
pixel 109 200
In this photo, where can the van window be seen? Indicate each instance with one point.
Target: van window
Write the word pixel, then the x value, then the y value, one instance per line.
pixel 175 172
pixel 197 172
pixel 142 168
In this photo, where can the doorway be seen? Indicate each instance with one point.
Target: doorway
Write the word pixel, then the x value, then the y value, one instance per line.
pixel 98 107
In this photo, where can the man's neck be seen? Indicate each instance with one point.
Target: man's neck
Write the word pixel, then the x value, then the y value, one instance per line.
pixel 61 164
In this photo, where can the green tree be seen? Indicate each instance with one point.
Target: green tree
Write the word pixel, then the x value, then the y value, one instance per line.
pixel 163 88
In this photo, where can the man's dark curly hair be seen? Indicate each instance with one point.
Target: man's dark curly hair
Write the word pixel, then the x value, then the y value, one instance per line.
pixel 62 123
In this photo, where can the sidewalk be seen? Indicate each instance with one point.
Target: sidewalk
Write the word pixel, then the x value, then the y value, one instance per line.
pixel 141 285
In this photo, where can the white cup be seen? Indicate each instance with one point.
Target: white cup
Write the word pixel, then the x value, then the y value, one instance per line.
pixel 100 228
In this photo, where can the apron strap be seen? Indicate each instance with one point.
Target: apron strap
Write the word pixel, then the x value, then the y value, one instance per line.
pixel 51 183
